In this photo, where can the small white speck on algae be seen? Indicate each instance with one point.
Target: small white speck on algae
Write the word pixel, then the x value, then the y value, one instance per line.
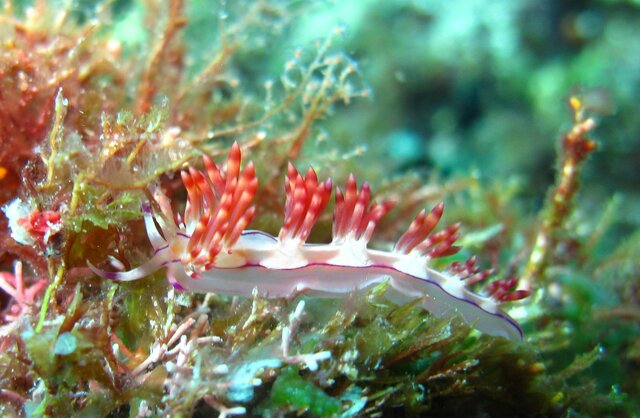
pixel 65 344
pixel 244 379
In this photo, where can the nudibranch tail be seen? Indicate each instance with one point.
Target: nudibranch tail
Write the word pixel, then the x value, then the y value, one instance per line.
pixel 209 250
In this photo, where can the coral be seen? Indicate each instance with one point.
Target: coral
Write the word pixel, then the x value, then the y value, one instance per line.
pixel 23 297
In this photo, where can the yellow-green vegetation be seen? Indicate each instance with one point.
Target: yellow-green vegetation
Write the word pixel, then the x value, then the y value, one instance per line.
pixel 102 103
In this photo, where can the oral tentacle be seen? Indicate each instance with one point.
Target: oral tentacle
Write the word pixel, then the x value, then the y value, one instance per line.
pixel 157 241
pixel 160 259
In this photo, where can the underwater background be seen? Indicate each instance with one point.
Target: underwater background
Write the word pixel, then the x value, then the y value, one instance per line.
pixel 520 115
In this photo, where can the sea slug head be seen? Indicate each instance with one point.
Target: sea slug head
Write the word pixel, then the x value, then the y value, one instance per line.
pixel 219 208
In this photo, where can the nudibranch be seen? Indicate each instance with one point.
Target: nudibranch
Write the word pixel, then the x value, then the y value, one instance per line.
pixel 209 250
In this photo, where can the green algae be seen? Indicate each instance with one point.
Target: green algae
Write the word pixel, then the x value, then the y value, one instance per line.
pixel 88 141
pixel 292 391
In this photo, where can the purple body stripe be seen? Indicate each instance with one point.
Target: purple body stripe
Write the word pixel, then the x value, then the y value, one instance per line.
pixel 384 267
pixel 256 232
pixel 178 286
pixel 111 275
pixel 166 263
pixel 159 249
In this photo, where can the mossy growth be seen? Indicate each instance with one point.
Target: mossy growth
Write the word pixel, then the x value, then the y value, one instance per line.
pixel 101 108
pixel 290 391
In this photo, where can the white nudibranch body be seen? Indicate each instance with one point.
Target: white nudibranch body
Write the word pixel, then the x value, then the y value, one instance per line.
pixel 210 250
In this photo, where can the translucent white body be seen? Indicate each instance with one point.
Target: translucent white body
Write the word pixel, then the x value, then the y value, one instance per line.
pixel 259 261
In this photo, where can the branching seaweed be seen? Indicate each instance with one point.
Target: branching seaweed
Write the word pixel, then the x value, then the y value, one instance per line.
pixel 92 122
